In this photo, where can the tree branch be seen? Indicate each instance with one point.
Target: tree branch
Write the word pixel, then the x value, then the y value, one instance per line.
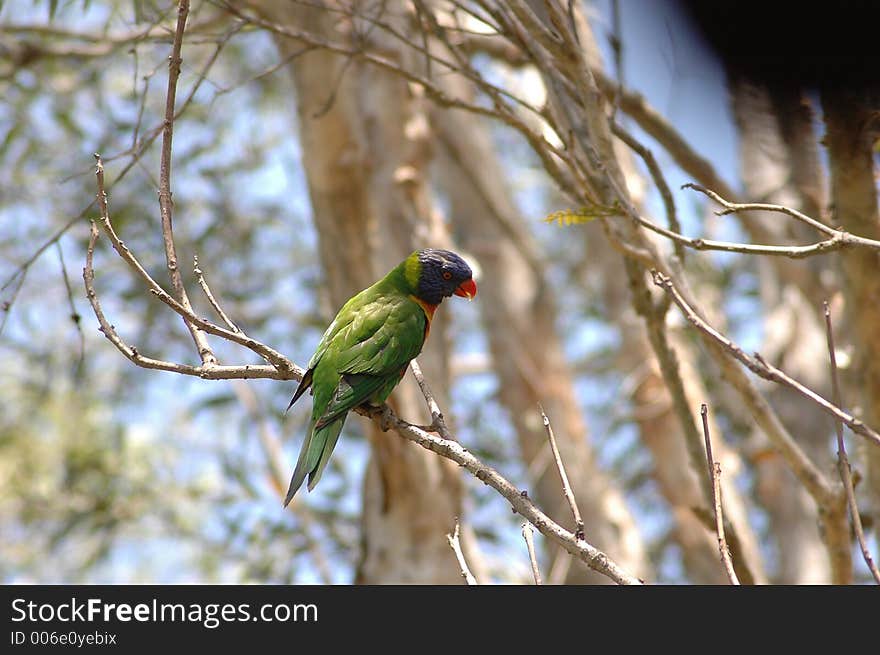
pixel 715 477
pixel 165 205
pixel 842 460
pixel 659 181
pixel 200 277
pixel 758 365
pixel 519 500
pixel 530 546
pixel 566 486
pixel 284 368
pixel 845 239
pixel 455 544
pixel 438 423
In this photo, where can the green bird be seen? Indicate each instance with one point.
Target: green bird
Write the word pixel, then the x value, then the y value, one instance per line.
pixel 365 350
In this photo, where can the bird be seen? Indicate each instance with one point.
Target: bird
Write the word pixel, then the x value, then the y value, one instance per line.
pixel 366 349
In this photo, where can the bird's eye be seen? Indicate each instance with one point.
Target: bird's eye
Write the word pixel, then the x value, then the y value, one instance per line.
pixel 447 275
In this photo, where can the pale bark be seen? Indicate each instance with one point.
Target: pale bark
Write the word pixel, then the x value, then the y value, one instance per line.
pixel 519 313
pixel 791 294
pixel 851 128
pixel 660 429
pixel 363 135
pixel 681 478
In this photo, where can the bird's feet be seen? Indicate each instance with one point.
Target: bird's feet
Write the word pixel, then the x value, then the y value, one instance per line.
pixel 386 415
pixel 386 421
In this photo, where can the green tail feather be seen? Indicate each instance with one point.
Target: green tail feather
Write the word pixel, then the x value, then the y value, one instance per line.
pixel 313 456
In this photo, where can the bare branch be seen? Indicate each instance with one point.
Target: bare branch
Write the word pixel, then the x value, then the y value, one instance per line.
pixel 455 544
pixel 530 545
pixel 519 500
pixel 844 239
pixel 654 315
pixel 651 121
pixel 828 496
pixel 200 277
pixel 715 476
pixel 285 369
pixel 438 423
pixel 549 154
pixel 140 146
pixel 216 372
pixel 659 180
pixel 837 242
pixel 566 486
pixel 758 365
pixel 17 281
pixel 838 239
pixel 732 207
pixel 165 204
pixel 842 459
pixel 18 275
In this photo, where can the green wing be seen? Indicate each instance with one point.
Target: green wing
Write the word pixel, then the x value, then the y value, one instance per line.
pixel 361 357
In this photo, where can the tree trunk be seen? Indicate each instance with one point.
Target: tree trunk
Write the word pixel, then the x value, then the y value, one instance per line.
pixel 680 476
pixel 519 313
pixel 851 129
pixel 660 428
pixel 364 140
pixel 779 164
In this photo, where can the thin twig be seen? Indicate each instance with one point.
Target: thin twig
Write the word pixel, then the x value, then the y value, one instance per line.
pixel 550 155
pixel 246 371
pixel 455 544
pixel 75 317
pixel 661 130
pixel 165 205
pixel 200 277
pixel 659 181
pixel 438 423
pixel 839 241
pixel 286 369
pixel 615 40
pixel 715 476
pixel 654 315
pixel 23 267
pixel 758 365
pixel 18 276
pixel 842 458
pixel 519 500
pixel 6 306
pixel 530 545
pixel 846 239
pixel 732 207
pixel 566 487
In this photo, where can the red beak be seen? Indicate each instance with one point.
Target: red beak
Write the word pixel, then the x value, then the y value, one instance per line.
pixel 467 289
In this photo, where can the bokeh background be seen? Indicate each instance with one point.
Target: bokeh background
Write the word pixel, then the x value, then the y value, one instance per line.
pixel 112 473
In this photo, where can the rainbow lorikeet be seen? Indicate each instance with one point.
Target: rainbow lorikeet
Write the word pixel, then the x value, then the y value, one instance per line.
pixel 366 349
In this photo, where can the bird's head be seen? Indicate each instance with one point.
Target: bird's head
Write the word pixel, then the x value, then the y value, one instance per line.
pixel 438 274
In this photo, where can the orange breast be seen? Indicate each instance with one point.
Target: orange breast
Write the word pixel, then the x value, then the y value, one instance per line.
pixel 429 310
